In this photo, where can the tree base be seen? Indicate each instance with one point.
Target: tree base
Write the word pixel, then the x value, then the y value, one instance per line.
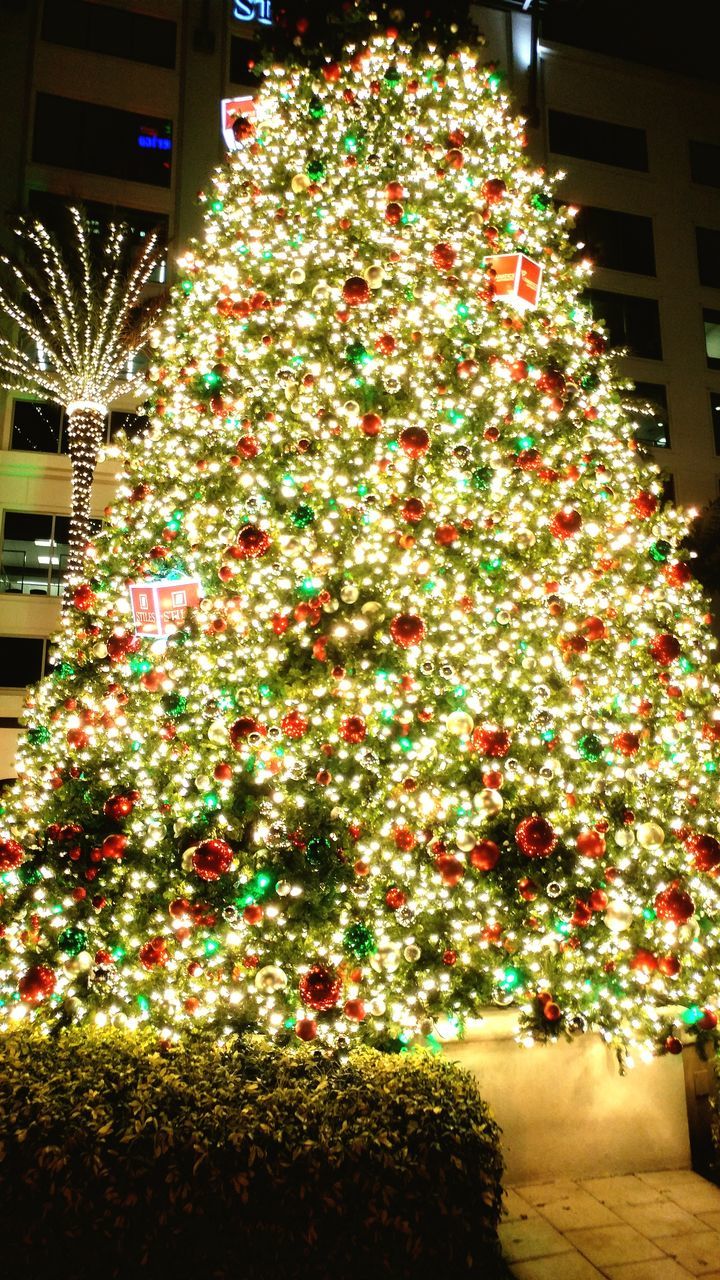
pixel 567 1112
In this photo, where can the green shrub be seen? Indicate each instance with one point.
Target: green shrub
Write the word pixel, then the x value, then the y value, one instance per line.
pixel 119 1158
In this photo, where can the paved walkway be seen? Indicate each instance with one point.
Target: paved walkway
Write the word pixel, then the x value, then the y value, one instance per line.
pixel 648 1226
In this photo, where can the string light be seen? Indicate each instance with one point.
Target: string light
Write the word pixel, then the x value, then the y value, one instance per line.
pixel 77 321
pixel 443 730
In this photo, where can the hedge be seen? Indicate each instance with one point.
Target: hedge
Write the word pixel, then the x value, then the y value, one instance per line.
pixel 122 1157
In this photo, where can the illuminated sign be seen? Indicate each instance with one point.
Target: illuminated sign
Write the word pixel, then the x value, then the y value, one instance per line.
pixel 230 109
pixel 151 141
pixel 253 11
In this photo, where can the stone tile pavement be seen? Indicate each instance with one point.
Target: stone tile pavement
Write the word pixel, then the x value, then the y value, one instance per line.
pixel 645 1226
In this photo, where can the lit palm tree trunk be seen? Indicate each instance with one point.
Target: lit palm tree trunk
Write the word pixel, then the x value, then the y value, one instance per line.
pixel 86 431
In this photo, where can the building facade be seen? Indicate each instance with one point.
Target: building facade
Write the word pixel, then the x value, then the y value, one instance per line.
pixel 118 104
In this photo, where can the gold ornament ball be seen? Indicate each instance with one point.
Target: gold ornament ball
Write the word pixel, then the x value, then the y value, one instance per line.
pixel 297 275
pixel 217 732
pixel 300 182
pixel 649 835
pixel 375 277
pixel 269 979
pixel 412 952
pixel 459 723
pixel 619 916
pixel 488 802
pixel 525 539
pixel 283 888
pixel 465 840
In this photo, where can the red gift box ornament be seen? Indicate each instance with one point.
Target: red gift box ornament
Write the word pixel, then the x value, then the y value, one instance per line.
pixel 517 279
pixel 159 607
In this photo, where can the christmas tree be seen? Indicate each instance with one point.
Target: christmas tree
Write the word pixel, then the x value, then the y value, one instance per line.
pixel 389 694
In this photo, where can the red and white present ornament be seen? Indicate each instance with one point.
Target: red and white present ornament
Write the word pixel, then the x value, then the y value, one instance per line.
pixel 160 606
pixel 230 109
pixel 517 279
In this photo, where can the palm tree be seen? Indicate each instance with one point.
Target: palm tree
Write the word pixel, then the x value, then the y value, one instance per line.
pixel 74 320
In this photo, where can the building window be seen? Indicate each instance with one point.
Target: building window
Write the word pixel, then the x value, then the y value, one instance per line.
pixel 243 54
pixel 708 256
pixel 715 413
pixel 53 211
pixel 590 139
pixel 41 427
pixel 705 163
pixel 36 428
pixel 105 140
pixel 101 28
pixel 34 553
pixel 620 241
pixel 711 322
pixel 23 660
pixel 631 322
pixel 650 412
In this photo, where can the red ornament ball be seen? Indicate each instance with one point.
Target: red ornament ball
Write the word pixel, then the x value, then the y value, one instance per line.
pixel 674 904
pixel 646 504
pixel 353 729
pixel 355 1010
pixel 294 725
pixel 591 844
pixel 665 649
pixel 565 524
pixel 356 290
pixel 552 1011
pixel 491 742
pixel 252 542
pixel 370 424
pixel 446 534
pixel 485 855
pixel 444 256
pixel 449 958
pixel 320 987
pixel 626 743
pixel 705 849
pixel 37 983
pixel 551 382
pixel 393 213
pixel 669 965
pixel 253 913
pixel 332 72
pixel 154 954
pixel 413 510
pixel 414 441
pixel 709 1020
pixel 11 855
pixel 407 629
pixel 673 1045
pixel 212 859
pixel 306 1029
pixel 118 807
pixel 535 837
pixel 493 190
pixel 395 898
pixel 451 869
pixel 594 629
pixel 83 598
pixel 678 575
pixel 242 729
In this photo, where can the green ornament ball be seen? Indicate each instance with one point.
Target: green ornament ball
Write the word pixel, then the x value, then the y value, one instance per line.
pixel 481 478
pixel 38 735
pixel 303 516
pixel 359 941
pixel 315 170
pixel 29 875
pixel 590 747
pixel 72 940
pixel 316 109
pixel 660 551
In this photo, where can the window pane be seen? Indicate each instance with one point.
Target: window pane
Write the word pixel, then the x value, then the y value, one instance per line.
pixel 708 254
pixel 53 211
pixel 620 241
pixel 711 322
pixel 105 29
pixel 32 562
pixel 133 424
pixel 705 163
pixel 590 139
pixel 715 412
pixel 94 139
pixel 21 661
pixel 631 322
pixel 243 54
pixel 36 427
pixel 651 415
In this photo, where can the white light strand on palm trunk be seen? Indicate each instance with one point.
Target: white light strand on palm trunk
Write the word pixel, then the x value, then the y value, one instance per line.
pixel 72 328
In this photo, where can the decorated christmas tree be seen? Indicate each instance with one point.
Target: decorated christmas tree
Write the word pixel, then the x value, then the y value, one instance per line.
pixel 389 694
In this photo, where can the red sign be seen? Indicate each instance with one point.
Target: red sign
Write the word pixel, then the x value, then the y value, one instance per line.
pixel 159 607
pixel 517 278
pixel 230 109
